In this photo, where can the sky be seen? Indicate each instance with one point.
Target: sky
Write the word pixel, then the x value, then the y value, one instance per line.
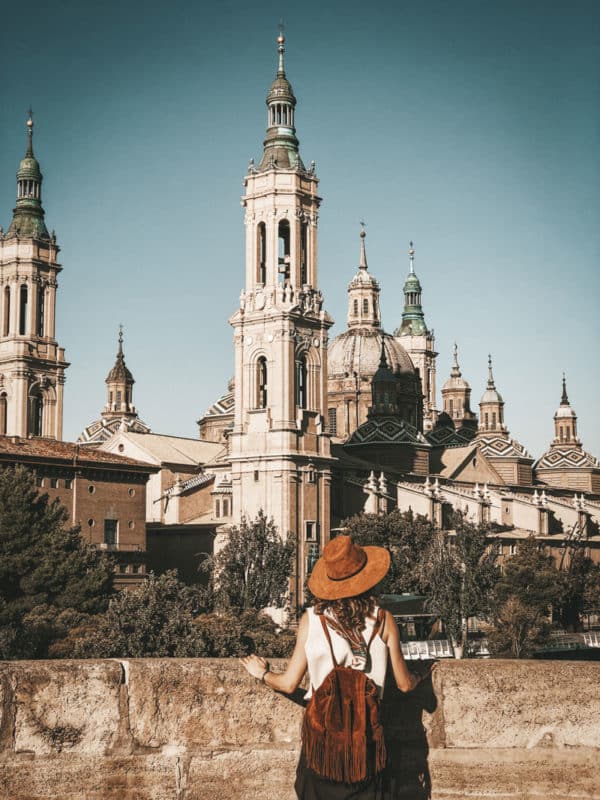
pixel 469 127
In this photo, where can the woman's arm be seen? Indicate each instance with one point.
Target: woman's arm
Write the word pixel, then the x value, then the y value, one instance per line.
pixel 289 680
pixel 405 680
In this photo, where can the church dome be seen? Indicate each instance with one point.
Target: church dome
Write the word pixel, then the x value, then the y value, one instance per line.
pixel 359 350
pixel 491 396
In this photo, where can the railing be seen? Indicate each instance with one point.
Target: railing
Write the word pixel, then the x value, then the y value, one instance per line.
pixel 116 548
pixel 423 651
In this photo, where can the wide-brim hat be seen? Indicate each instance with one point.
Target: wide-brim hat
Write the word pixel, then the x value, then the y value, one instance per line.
pixel 346 569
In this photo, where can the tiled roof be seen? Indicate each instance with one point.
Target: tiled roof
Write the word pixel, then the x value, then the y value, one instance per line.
pixel 40 448
pixel 567 457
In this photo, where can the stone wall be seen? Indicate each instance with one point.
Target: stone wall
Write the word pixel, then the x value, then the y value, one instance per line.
pixel 197 729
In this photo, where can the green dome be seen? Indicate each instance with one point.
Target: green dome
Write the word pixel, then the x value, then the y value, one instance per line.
pixel 281 90
pixel 29 169
pixel 412 283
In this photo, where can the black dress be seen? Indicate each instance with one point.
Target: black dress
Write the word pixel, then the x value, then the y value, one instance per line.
pixel 310 786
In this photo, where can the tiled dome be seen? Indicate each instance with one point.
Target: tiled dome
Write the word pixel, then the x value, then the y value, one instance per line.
pixel 359 350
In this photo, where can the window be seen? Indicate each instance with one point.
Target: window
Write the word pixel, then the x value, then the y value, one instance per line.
pixel 512 549
pixel 261 382
pixel 130 492
pixel 256 475
pixel 217 509
pixel 312 529
pixel 486 417
pixel 41 310
pixel 355 308
pixel 494 420
pixel 451 407
pixel 332 420
pixel 6 312
pixel 301 387
pixel 283 257
pixel 23 303
pixel 68 483
pixel 303 253
pixel 261 253
pixel 91 489
pixel 39 481
pixel 54 483
pixel 111 529
pixel 312 555
pixel 225 507
pixel 119 395
pixel 311 474
pixel 3 410
pixel 91 522
pixel 36 411
pixel 365 306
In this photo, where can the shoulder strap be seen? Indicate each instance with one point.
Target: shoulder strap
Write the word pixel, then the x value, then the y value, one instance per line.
pixel 377 626
pixel 328 637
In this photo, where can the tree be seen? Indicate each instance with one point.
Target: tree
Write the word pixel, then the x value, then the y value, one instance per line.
pixel 530 576
pixel 406 535
pixel 49 578
pixel 458 573
pixel 522 601
pixel 518 629
pixel 154 619
pixel 578 585
pixel 252 569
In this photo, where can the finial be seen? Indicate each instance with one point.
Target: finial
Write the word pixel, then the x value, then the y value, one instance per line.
pixel 29 124
pixel 120 340
pixel 490 384
pixel 281 48
pixel 383 360
pixel 411 255
pixel 564 400
pixel 455 367
pixel 363 250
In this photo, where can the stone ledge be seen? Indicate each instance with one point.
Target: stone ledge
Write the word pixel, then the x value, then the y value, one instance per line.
pixel 186 729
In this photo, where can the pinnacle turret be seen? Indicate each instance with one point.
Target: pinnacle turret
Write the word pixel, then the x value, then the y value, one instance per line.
pixel 281 147
pixel 413 318
pixel 28 214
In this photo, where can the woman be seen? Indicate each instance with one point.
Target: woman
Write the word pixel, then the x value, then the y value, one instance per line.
pixel 345 627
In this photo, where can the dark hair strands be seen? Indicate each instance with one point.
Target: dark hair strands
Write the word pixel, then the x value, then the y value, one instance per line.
pixel 350 612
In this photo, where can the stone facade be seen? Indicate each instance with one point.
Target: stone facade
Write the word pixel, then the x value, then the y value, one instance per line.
pixel 184 729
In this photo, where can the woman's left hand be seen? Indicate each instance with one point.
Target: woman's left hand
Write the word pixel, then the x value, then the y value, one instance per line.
pixel 255 665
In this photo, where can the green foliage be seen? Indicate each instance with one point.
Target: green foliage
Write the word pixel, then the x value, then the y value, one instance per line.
pixel 578 587
pixel 529 576
pixel 226 634
pixel 161 618
pixel 154 619
pixel 252 569
pixel 406 535
pixel 457 574
pixel 49 578
pixel 518 629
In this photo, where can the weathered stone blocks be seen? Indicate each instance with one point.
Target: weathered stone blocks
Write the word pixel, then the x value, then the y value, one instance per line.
pixel 186 729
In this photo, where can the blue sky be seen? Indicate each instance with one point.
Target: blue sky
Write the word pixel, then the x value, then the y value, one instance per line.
pixel 469 127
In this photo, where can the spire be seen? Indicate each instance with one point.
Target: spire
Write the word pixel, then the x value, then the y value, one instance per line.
pixel 455 373
pixel 281 49
pixel 119 382
pixel 120 373
pixel 29 153
pixel 490 382
pixel 281 147
pixel 28 214
pixel 363 293
pixel 413 319
pixel 363 251
pixel 564 400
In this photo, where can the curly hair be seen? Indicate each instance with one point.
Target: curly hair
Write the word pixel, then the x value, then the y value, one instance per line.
pixel 350 612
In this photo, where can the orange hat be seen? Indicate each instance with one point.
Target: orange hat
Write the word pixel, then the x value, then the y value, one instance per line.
pixel 346 569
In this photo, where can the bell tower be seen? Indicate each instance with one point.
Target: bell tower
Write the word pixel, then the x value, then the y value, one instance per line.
pixel 32 365
pixel 279 445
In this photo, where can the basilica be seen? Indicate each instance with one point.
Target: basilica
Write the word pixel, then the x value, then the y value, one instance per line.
pixel 311 429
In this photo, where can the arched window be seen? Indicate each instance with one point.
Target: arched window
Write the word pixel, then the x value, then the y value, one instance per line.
pixel 261 253
pixel 486 419
pixel 23 303
pixel 3 412
pixel 36 414
pixel 6 312
pixel 301 383
pixel 261 382
pixel 41 310
pixel 568 436
pixel 494 420
pixel 283 253
pixel 365 306
pixel 355 308
pixel 451 407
